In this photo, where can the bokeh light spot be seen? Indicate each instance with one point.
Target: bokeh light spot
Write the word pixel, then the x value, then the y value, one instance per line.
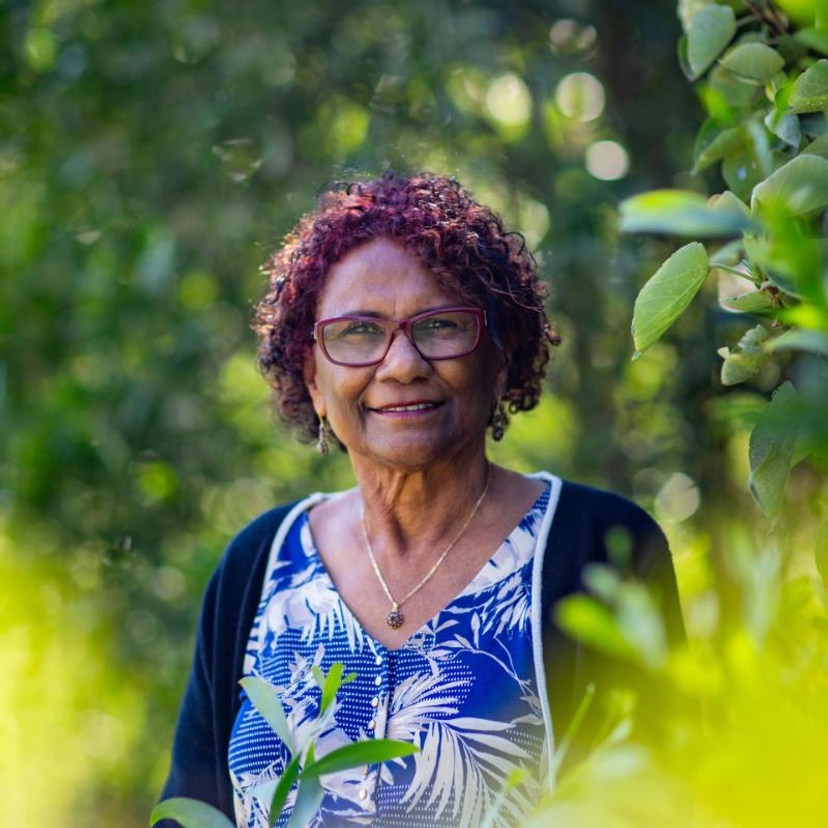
pixel 607 160
pixel 580 96
pixel 508 100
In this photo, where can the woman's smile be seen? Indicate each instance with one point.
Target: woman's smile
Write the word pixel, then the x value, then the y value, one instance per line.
pixel 403 408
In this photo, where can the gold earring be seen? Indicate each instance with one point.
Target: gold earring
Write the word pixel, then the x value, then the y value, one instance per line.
pixel 498 422
pixel 322 445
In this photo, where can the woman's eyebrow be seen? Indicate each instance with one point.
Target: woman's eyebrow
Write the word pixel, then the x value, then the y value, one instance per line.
pixel 379 315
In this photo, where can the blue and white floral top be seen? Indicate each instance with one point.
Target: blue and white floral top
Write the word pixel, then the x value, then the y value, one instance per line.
pixel 463 689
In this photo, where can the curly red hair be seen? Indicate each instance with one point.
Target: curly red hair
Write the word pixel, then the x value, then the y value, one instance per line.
pixel 463 243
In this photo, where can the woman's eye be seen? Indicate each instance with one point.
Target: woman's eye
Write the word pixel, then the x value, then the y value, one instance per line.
pixel 438 323
pixel 362 328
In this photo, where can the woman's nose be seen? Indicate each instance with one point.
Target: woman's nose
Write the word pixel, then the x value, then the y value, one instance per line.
pixel 403 361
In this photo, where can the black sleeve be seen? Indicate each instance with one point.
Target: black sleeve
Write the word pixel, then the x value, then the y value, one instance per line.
pixel 589 526
pixel 199 767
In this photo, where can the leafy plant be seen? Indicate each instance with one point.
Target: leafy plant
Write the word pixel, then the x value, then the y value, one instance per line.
pixel 757 756
pixel 303 770
pixel 764 84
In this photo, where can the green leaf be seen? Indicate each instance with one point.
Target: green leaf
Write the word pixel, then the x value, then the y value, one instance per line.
pixel 755 62
pixel 280 793
pixel 746 359
pixel 667 294
pixel 190 813
pixel 815 342
pixel 265 699
pixel 308 800
pixel 711 29
pixel 589 621
pixel 681 213
pixel 810 90
pixel 359 753
pixel 785 127
pixel 799 187
pixel 772 254
pixel 816 39
pixel 741 173
pixel 819 146
pixel 772 444
pixel 714 143
pixel 330 686
pixel 754 302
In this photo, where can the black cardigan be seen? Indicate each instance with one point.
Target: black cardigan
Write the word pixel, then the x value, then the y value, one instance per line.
pixel 584 519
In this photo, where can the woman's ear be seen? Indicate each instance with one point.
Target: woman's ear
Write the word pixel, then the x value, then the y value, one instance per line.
pixel 309 375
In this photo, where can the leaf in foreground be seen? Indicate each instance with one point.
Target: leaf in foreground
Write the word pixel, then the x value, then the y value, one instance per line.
pixel 308 800
pixel 190 813
pixel 265 699
pixel 667 294
pixel 358 753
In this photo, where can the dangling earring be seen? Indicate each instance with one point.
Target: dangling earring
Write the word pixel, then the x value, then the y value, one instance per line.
pixel 322 440
pixel 498 422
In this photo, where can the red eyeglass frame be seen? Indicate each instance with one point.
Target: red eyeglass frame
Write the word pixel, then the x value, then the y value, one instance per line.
pixel 403 325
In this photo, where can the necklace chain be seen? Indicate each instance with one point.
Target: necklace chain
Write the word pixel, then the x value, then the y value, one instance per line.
pixel 395 618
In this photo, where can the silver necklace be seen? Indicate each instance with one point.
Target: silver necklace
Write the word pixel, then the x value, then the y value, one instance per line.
pixel 395 618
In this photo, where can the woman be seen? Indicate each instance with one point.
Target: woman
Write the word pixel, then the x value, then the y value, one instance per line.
pixel 402 322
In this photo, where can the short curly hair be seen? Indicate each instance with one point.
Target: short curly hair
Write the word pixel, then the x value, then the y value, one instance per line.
pixel 463 243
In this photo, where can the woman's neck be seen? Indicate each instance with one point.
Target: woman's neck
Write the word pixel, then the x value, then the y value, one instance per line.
pixel 406 512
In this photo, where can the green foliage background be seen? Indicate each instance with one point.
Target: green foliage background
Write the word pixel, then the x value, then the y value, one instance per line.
pixel 151 154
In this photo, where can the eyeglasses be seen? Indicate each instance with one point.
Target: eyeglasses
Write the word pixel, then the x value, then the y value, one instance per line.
pixel 358 341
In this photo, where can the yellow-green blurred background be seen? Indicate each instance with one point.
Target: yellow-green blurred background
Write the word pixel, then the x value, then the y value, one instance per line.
pixel 151 154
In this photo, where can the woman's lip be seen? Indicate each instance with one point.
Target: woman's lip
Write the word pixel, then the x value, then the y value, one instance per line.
pixel 407 407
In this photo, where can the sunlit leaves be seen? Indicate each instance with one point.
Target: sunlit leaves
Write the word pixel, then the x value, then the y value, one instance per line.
pixel 664 297
pixel 822 552
pixel 590 621
pixel 711 29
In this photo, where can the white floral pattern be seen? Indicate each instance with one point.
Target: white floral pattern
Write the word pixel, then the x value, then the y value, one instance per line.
pixel 462 689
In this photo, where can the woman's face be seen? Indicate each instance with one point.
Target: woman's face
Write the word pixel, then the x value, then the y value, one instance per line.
pixel 404 412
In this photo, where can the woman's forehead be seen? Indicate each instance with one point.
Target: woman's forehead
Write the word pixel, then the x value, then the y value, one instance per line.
pixel 381 272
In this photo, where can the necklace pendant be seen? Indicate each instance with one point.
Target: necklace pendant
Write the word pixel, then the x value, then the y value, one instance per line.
pixel 394 618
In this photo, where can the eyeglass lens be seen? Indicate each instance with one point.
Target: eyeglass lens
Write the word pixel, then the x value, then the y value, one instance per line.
pixel 436 335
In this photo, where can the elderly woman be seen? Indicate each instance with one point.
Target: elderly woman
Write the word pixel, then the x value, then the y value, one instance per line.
pixel 402 323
